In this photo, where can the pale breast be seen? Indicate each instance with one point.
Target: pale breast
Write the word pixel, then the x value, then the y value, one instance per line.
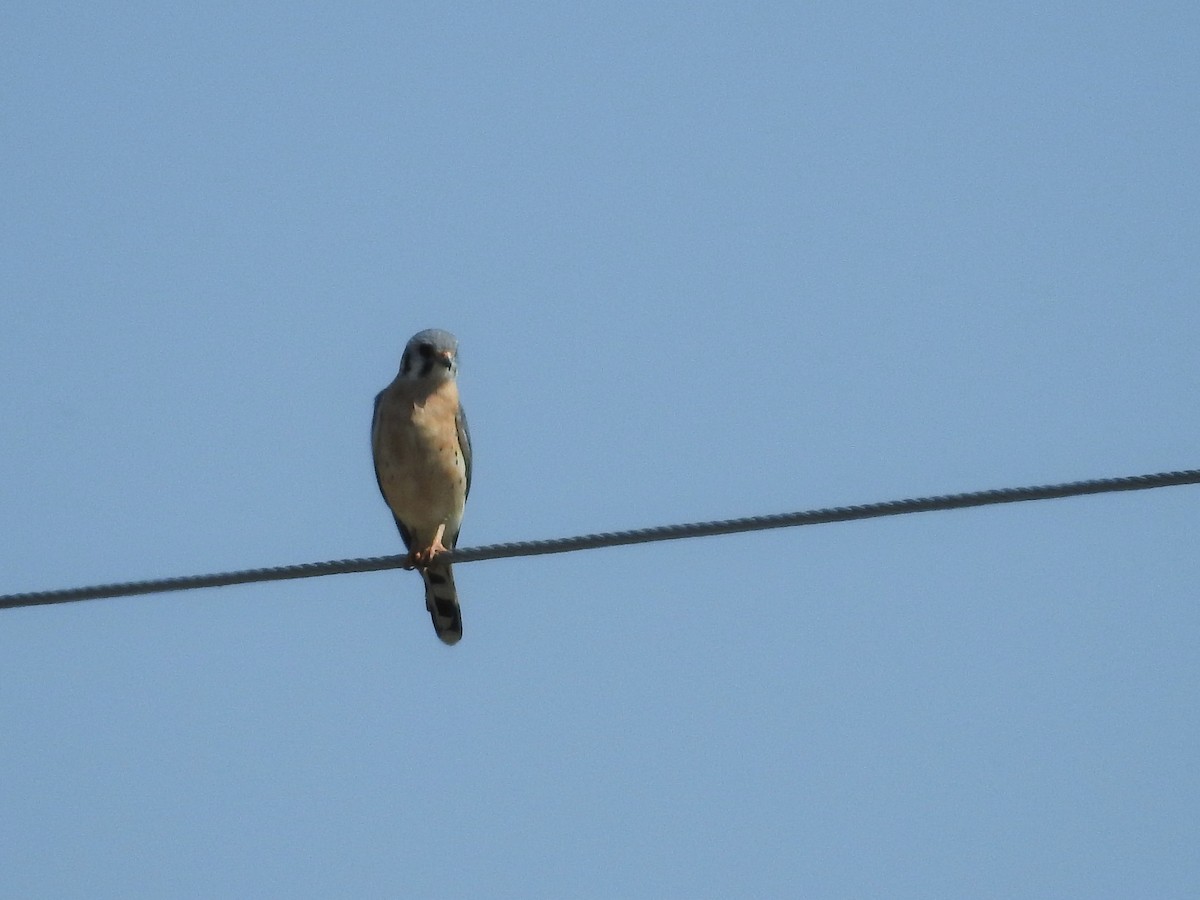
pixel 421 468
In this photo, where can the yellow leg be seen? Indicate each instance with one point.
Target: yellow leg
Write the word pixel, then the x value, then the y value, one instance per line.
pixel 421 559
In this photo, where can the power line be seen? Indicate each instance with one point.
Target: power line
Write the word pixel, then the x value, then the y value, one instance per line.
pixel 618 538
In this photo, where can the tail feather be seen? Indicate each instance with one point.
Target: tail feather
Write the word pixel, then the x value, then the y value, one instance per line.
pixel 441 599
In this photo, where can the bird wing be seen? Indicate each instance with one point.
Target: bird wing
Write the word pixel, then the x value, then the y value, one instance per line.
pixel 405 535
pixel 464 443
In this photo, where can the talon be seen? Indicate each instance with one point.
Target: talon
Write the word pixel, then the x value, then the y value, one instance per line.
pixel 423 559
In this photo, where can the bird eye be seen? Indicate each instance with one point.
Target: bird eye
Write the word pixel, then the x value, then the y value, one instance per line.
pixel 425 349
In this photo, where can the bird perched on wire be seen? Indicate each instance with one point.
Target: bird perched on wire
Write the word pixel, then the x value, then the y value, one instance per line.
pixel 422 452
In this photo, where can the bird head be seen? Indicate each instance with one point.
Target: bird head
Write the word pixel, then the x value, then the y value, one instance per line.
pixel 430 354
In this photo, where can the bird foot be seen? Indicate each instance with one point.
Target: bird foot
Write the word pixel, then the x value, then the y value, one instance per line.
pixel 423 559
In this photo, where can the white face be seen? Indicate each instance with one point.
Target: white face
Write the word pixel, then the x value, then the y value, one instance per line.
pixel 429 360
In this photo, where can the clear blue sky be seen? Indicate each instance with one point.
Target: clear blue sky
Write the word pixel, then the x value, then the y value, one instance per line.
pixel 704 260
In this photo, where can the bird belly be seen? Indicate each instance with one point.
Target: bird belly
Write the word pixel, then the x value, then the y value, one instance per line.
pixel 422 470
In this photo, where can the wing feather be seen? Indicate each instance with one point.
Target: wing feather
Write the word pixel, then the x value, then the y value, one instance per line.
pixel 404 533
pixel 464 442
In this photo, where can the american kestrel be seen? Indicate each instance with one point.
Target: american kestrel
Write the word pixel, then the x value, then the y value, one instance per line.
pixel 422 456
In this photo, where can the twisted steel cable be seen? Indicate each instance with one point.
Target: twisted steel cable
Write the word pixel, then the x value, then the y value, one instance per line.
pixel 618 538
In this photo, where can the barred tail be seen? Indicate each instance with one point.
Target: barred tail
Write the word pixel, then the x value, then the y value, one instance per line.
pixel 441 599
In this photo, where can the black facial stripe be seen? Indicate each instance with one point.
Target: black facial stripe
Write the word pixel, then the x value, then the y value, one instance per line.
pixel 425 351
pixel 424 358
